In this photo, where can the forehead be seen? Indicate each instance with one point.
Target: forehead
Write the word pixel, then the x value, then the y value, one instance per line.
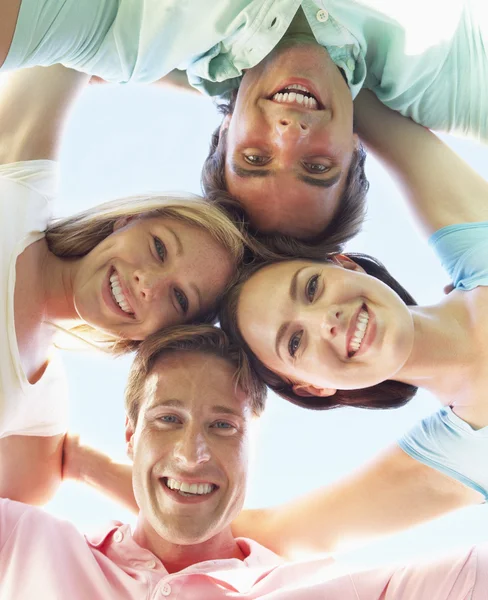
pixel 197 380
pixel 282 203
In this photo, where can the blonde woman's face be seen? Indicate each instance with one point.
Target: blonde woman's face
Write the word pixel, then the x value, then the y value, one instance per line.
pixel 148 274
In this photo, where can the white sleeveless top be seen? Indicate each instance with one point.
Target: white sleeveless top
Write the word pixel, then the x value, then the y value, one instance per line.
pixel 26 191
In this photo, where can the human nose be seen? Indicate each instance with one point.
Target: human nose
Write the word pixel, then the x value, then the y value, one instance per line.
pixel 192 449
pixel 291 129
pixel 332 322
pixel 148 284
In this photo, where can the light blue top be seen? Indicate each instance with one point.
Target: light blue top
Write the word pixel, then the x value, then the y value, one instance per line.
pixel 444 441
pixel 463 252
pixel 424 58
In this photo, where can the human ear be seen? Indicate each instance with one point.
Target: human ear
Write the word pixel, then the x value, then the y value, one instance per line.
pixel 225 123
pixel 307 389
pixel 345 262
pixel 129 436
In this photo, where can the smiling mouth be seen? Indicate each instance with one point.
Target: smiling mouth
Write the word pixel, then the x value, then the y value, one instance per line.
pixel 359 333
pixel 118 294
pixel 297 95
pixel 189 490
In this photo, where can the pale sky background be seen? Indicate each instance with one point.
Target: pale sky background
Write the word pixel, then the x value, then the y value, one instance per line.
pixel 130 139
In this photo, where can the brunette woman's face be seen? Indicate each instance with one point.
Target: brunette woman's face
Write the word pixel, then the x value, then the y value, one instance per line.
pixel 325 326
pixel 148 274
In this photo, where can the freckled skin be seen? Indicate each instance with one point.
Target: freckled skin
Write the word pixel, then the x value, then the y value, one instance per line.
pixel 152 282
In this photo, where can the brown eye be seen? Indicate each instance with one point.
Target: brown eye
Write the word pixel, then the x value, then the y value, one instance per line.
pixel 316 168
pixel 256 159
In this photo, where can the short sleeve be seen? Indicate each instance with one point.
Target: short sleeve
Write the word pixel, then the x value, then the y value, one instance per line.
pixel 448 444
pixel 463 252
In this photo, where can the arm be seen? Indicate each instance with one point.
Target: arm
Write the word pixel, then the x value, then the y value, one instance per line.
pixel 9 11
pixel 34 104
pixel 441 188
pixel 392 493
pixel 30 467
pixel 96 469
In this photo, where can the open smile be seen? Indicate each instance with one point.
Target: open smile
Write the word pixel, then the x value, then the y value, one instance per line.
pixel 187 492
pixel 361 331
pixel 298 95
pixel 116 295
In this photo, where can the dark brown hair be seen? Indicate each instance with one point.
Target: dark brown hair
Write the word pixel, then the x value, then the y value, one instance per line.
pixel 345 224
pixel 190 338
pixel 388 394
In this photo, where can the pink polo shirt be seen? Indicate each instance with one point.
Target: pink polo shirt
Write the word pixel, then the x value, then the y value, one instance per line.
pixel 44 558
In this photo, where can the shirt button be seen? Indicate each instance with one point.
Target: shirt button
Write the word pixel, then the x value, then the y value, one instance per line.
pixel 166 589
pixel 322 15
pixel 151 564
pixel 118 536
pixel 351 64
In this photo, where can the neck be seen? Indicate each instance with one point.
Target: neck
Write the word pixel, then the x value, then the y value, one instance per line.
pixel 299 28
pixel 57 281
pixel 442 348
pixel 176 557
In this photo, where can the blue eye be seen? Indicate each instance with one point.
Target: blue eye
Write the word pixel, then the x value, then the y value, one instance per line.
pixel 311 288
pixel 223 425
pixel 169 419
pixel 182 300
pixel 160 249
pixel 294 343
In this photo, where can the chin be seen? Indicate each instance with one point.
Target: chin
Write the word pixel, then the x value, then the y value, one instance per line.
pixel 187 535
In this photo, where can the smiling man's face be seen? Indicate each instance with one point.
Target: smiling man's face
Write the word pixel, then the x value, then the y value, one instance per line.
pixel 190 449
pixel 290 140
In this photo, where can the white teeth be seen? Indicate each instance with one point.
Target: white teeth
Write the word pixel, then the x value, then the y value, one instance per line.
pixel 295 98
pixel 200 489
pixel 295 86
pixel 361 326
pixel 118 295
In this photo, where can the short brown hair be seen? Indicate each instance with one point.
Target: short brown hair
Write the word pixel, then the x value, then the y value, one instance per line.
pixel 387 394
pixel 345 223
pixel 190 338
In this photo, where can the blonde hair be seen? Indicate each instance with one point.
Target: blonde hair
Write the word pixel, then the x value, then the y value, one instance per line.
pixel 76 236
pixel 190 338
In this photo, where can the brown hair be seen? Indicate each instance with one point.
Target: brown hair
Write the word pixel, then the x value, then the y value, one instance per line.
pixel 345 224
pixel 190 338
pixel 387 394
pixel 76 236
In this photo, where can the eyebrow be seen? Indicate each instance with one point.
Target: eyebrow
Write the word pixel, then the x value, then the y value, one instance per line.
pixel 292 293
pixel 240 172
pixel 216 408
pixel 322 183
pixel 179 245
